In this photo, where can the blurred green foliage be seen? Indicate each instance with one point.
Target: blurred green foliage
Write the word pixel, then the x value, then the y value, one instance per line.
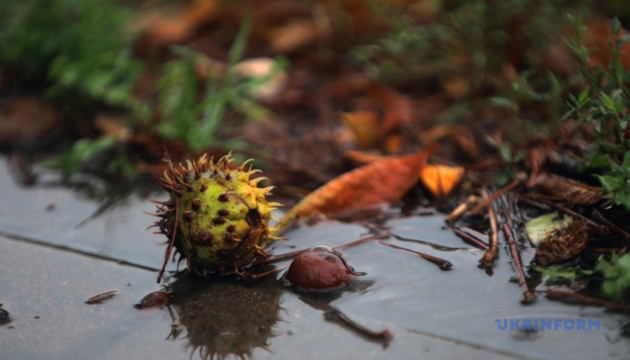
pixel 80 46
pixel 194 113
pixel 603 104
pixel 477 44
pixel 484 32
pixel 507 173
pixel 616 273
pixel 85 150
pixel 560 274
pixel 81 52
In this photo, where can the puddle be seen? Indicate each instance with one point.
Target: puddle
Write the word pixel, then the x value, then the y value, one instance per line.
pixel 111 227
pixel 430 312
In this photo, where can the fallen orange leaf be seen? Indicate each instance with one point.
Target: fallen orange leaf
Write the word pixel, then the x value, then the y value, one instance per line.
pixel 382 181
pixel 359 158
pixel 441 180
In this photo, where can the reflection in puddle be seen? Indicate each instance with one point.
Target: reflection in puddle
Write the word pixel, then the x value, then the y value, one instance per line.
pixel 223 317
pixel 527 335
pixel 4 316
pixel 322 302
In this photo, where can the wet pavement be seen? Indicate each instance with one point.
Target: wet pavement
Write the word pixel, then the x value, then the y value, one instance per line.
pixel 60 246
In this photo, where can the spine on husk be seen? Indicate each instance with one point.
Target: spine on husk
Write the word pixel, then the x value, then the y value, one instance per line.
pixel 216 218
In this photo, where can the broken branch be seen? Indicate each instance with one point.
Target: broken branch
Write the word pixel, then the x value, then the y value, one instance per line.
pixel 509 237
pixel 492 252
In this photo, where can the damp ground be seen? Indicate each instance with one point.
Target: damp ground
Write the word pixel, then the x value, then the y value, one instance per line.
pixel 62 245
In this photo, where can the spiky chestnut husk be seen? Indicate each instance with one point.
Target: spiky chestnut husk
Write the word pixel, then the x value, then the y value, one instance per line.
pixel 561 245
pixel 217 219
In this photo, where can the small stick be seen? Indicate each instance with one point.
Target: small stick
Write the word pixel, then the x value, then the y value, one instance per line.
pixel 279 257
pixel 483 165
pixel 571 296
pixel 296 253
pixel 101 297
pixel 534 203
pixel 462 208
pixel 530 297
pixel 375 237
pixel 618 252
pixel 492 252
pixel 258 276
pixel 468 238
pixel 487 201
pixel 171 244
pixel 443 264
pixel 433 245
pixel 385 335
pixel 476 234
pixel 616 229
pixel 600 228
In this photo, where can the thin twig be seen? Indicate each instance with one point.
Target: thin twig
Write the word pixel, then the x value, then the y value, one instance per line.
pixel 258 276
pixel 462 208
pixel 468 238
pixel 443 264
pixel 571 296
pixel 280 257
pixel 476 234
pixel 433 245
pixel 296 253
pixel 614 228
pixel 600 228
pixel 492 252
pixel 101 297
pixel 530 297
pixel 375 237
pixel 385 335
pixel 172 243
pixel 487 201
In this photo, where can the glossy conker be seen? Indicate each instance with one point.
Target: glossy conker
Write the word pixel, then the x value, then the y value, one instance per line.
pixel 320 270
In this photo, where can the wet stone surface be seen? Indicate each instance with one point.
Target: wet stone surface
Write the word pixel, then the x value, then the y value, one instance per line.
pixel 91 217
pixel 53 261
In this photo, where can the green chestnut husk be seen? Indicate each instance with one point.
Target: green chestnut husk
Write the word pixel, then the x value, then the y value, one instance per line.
pixel 216 218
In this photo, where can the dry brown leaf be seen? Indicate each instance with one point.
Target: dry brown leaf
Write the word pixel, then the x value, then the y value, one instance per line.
pixel 112 126
pixel 572 191
pixel 202 11
pixel 396 107
pixel 536 161
pixel 163 27
pixel 364 125
pixel 383 181
pixel 361 158
pixel 292 36
pixel 561 245
pixel 24 121
pixel 467 146
pixel 439 132
pixel 375 130
pixel 392 144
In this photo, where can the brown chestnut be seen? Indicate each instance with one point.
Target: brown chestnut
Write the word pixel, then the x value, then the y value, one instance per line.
pixel 320 270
